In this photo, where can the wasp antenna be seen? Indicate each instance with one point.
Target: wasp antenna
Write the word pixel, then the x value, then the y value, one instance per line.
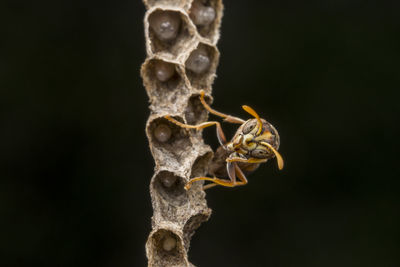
pixel 253 113
pixel 278 156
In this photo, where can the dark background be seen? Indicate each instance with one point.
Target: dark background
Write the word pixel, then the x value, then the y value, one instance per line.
pixel 75 163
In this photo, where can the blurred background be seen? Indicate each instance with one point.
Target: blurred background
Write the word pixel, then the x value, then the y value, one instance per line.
pixel 75 163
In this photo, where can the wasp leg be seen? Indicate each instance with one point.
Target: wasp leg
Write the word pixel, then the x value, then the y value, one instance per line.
pixel 226 117
pixel 233 169
pixel 240 174
pixel 250 160
pixel 220 133
pixel 215 180
pixel 230 169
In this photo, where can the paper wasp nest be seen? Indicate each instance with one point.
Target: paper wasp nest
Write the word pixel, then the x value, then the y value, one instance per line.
pixel 181 60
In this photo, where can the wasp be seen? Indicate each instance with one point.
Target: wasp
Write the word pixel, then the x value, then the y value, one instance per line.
pixel 255 142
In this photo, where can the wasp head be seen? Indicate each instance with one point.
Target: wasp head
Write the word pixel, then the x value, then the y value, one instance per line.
pixel 256 139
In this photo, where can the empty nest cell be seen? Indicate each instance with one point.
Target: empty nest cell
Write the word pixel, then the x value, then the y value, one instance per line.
pixel 201 65
pixel 170 187
pixel 206 15
pixel 169 31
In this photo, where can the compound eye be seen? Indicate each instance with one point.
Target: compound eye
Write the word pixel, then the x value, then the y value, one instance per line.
pixel 260 153
pixel 268 127
pixel 249 126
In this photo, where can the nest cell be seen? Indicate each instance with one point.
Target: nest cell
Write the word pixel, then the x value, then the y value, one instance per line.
pixel 171 188
pixel 206 15
pixel 162 133
pixel 200 66
pixel 162 79
pixel 195 112
pixel 169 30
pixel 167 136
pixel 164 71
pixel 165 25
pixel 167 247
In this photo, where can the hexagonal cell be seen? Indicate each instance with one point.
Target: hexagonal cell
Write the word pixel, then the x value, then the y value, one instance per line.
pixel 171 188
pixel 201 65
pixel 167 248
pixel 195 112
pixel 162 79
pixel 169 31
pixel 206 15
pixel 167 136
pixel 200 165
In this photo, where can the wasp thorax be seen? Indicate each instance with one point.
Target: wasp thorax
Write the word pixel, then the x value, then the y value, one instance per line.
pixel 165 24
pixel 202 15
pixel 198 61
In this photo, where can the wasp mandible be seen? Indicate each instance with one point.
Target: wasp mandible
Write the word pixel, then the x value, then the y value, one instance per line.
pixel 255 141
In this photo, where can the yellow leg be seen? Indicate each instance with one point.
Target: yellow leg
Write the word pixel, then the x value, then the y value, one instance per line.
pixel 226 117
pixel 220 133
pixel 216 181
pixel 240 174
pixel 230 168
pixel 250 160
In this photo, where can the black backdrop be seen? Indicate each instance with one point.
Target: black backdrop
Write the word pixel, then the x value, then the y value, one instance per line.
pixel 75 164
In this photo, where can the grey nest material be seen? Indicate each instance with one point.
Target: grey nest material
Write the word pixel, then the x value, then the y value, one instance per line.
pixel 182 58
